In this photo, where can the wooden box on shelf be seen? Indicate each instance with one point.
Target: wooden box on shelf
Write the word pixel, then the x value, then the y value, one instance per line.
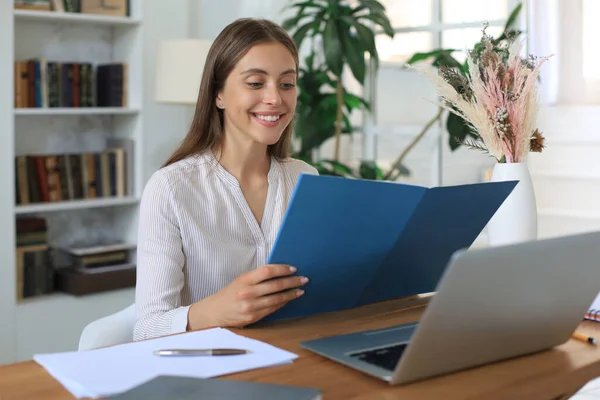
pixel 78 284
pixel 93 269
pixel 39 5
pixel 116 8
pixel 34 267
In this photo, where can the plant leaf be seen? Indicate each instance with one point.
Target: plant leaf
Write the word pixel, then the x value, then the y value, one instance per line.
pixel 333 5
pixel 353 101
pixel 513 17
pixel 401 170
pixel 347 128
pixel 375 57
pixel 366 36
pixel 512 34
pixel 293 21
pixel 339 167
pixel 363 33
pixel 301 32
pixel 458 129
pixel 332 47
pixel 370 170
pixel 380 20
pixel 371 5
pixel 446 60
pixel 416 57
pixel 355 55
pixel 326 169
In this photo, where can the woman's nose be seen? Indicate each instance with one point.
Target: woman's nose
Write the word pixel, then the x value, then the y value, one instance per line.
pixel 272 96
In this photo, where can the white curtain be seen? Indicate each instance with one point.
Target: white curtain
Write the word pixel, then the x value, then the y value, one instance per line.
pixel 562 28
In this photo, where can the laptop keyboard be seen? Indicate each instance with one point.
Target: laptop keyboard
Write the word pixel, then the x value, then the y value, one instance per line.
pixel 384 357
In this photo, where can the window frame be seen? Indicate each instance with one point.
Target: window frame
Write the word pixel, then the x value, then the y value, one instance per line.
pixel 370 128
pixel 437 27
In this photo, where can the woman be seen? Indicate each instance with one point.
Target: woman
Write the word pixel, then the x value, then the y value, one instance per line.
pixel 210 215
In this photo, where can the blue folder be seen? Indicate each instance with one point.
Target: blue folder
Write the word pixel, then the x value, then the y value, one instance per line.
pixel 363 241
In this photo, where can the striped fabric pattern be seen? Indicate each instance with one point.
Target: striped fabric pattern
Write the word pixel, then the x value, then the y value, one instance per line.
pixel 197 233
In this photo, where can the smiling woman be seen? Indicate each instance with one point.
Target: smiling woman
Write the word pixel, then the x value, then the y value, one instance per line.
pixel 204 235
pixel 258 102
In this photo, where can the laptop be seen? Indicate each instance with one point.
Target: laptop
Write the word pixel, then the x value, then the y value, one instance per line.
pixel 491 304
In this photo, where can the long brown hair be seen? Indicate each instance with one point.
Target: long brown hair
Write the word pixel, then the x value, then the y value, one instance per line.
pixel 229 47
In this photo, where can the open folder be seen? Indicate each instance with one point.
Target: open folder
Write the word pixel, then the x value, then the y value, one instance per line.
pixel 362 241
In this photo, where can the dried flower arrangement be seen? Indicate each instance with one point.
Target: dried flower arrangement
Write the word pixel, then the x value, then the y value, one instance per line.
pixel 498 99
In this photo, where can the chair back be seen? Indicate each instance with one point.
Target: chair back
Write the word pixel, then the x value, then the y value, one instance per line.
pixel 110 330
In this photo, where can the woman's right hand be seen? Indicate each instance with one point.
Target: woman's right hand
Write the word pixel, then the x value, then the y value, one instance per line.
pixel 248 298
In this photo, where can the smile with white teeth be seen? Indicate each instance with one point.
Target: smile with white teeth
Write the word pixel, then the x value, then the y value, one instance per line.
pixel 269 118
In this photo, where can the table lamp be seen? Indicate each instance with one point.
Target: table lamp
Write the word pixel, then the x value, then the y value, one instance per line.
pixel 179 70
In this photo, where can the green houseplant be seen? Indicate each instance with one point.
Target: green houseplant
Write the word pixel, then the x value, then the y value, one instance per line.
pixel 340 35
pixel 457 129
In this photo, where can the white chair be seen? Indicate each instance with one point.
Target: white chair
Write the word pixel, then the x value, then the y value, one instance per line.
pixel 107 331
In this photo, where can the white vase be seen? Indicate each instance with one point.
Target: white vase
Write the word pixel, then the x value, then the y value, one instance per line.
pixel 516 219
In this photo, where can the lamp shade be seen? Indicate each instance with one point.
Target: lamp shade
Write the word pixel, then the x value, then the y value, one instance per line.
pixel 179 70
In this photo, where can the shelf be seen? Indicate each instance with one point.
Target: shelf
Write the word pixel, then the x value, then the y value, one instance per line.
pixel 570 213
pixel 75 111
pixel 91 19
pixel 75 205
pixel 60 300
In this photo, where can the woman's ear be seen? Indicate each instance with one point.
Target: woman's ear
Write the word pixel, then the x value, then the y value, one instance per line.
pixel 219 102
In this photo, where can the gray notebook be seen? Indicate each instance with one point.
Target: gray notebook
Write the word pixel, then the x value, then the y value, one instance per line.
pixel 181 388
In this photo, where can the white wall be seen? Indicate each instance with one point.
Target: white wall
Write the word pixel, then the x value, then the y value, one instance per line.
pixel 55 324
pixel 165 125
pixel 7 286
pixel 212 19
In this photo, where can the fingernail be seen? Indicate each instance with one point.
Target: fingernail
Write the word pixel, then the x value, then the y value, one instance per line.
pixel 293 269
pixel 299 293
pixel 303 280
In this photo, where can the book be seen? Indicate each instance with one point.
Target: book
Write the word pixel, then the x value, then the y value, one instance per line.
pixel 365 241
pixel 593 314
pixel 165 387
pixel 86 249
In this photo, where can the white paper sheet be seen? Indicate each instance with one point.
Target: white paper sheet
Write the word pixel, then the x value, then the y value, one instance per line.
pixel 594 310
pixel 103 372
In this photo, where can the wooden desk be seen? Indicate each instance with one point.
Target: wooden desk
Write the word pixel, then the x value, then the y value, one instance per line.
pixel 553 374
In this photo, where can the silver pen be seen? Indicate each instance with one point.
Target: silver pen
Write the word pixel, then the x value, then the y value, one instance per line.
pixel 199 352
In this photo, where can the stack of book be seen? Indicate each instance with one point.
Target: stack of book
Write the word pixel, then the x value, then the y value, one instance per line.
pixel 99 258
pixel 47 84
pixel 119 8
pixel 95 268
pixel 34 5
pixel 43 178
pixel 35 270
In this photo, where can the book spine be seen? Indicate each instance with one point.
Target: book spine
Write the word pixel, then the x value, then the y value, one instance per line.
pixel 593 315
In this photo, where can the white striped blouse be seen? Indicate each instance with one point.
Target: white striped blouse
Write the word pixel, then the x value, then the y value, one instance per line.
pixel 197 233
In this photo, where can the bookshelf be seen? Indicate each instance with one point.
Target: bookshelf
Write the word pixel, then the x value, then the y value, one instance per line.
pixel 74 205
pixel 75 111
pixel 33 324
pixel 73 18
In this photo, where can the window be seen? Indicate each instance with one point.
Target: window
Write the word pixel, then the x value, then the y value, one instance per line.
pixel 590 33
pixel 424 25
pixel 399 110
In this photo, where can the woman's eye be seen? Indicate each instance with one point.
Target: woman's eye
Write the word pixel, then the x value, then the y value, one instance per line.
pixel 254 84
pixel 287 85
